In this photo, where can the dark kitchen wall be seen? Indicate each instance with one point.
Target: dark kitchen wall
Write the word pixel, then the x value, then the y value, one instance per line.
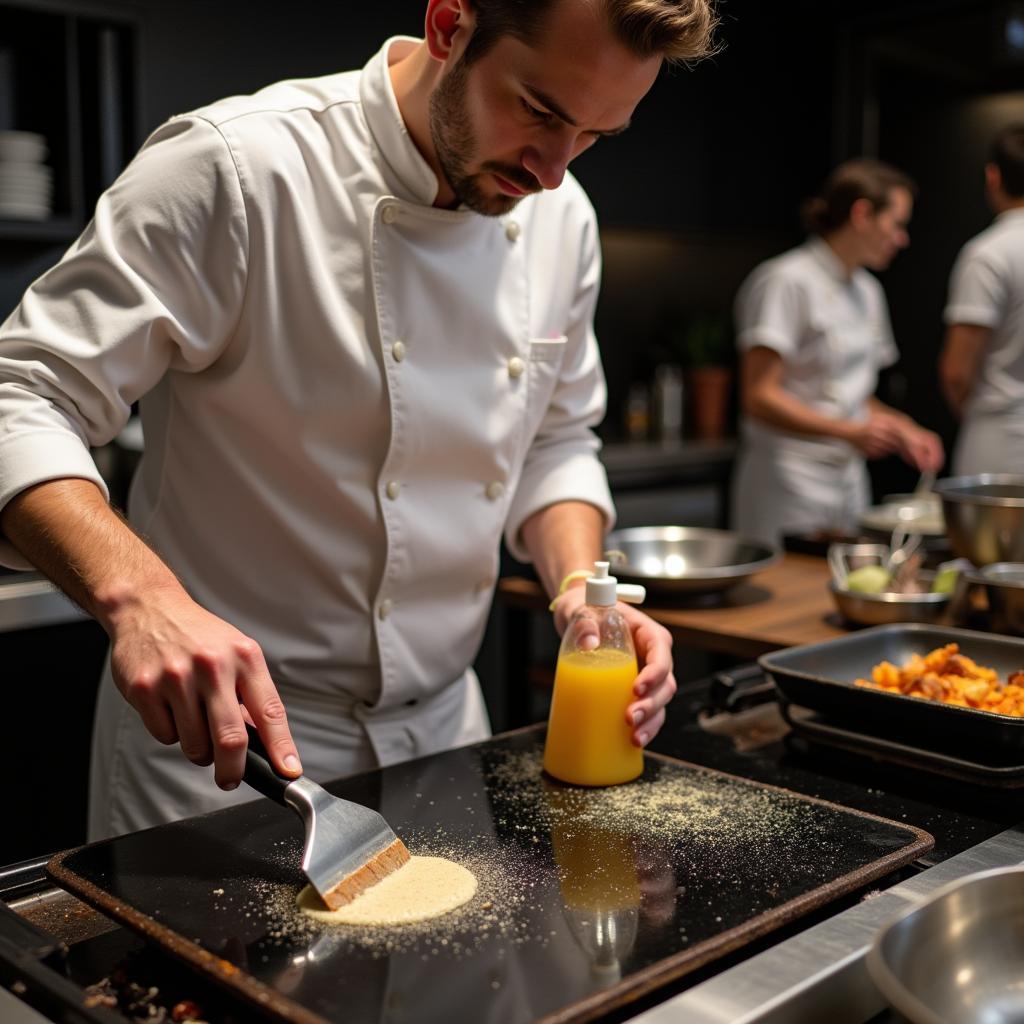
pixel 731 144
pixel 709 178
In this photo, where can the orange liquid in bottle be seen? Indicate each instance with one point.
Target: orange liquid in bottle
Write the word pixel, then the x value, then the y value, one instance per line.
pixel 589 740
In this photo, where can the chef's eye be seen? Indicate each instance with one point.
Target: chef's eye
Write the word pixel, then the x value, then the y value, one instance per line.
pixel 543 116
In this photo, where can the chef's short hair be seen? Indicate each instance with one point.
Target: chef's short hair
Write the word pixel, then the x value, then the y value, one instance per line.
pixel 861 178
pixel 1007 153
pixel 679 30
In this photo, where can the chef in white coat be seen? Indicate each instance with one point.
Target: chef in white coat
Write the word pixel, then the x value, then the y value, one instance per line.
pixel 982 364
pixel 813 330
pixel 357 311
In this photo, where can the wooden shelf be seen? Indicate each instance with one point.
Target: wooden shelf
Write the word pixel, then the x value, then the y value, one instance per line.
pixel 54 229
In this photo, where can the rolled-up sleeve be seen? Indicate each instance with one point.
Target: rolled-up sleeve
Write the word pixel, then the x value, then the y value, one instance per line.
pixel 562 463
pixel 769 311
pixel 977 290
pixel 155 283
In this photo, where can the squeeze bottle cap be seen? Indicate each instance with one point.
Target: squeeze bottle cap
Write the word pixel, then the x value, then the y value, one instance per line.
pixel 604 590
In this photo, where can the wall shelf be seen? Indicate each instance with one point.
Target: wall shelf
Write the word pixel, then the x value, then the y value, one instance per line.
pixel 69 72
pixel 55 229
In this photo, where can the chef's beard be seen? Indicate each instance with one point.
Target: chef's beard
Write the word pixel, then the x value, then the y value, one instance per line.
pixel 454 143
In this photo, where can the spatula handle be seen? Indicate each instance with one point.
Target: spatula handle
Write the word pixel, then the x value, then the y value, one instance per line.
pixel 259 772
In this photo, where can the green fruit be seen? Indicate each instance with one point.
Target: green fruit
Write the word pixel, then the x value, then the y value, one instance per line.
pixel 945 581
pixel 869 579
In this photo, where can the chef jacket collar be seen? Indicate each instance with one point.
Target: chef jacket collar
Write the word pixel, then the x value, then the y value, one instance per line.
pixel 1014 211
pixel 410 175
pixel 826 256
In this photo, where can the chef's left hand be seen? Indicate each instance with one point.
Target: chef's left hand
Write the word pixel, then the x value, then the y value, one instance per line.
pixel 655 686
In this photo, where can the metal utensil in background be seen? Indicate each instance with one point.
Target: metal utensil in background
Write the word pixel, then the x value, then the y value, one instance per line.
pixel 984 516
pixel 1003 584
pixel 844 558
pixel 956 956
pixel 902 546
pixel 837 565
pixel 348 847
pixel 687 559
pixel 925 483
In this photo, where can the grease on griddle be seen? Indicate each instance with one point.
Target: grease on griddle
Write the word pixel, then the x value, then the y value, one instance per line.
pixel 675 819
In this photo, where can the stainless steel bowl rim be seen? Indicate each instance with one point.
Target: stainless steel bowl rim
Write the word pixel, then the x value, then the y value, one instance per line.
pixel 958 489
pixel 930 597
pixel 996 573
pixel 898 995
pixel 637 533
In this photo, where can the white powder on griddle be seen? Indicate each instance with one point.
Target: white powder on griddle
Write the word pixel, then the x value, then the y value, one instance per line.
pixel 676 817
pixel 499 910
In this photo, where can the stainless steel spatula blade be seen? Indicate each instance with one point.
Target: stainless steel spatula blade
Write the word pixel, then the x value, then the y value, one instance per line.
pixel 348 846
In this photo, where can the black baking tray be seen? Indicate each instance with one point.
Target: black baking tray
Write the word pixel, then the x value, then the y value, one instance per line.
pixel 822 677
pixel 589 899
pixel 816 729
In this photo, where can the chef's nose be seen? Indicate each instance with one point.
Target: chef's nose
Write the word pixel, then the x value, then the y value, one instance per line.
pixel 548 163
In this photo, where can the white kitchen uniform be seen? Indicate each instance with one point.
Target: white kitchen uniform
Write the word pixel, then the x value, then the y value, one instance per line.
pixel 833 333
pixel 987 290
pixel 347 395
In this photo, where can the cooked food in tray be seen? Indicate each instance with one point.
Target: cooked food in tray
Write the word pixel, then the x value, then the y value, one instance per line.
pixel 946 675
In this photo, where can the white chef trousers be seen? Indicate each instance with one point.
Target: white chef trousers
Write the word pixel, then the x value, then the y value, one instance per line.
pixel 778 492
pixel 136 782
pixel 990 443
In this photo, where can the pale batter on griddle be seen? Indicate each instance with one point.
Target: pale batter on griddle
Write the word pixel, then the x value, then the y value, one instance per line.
pixel 423 887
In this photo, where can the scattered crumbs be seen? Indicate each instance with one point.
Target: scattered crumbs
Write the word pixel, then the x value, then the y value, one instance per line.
pixel 555 858
pixel 500 910
pixel 218 892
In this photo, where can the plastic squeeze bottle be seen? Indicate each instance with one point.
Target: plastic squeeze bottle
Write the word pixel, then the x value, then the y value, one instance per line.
pixel 589 741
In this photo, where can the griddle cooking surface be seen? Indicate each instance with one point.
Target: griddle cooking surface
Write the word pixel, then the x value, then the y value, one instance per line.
pixel 587 898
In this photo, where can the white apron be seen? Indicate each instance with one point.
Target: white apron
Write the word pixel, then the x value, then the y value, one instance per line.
pixel 331 739
pixel 833 333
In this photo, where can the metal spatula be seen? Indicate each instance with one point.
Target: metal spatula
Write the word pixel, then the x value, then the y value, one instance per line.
pixel 348 846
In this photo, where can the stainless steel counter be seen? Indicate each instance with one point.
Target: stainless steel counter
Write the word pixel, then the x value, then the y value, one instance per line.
pixel 820 974
pixel 28 600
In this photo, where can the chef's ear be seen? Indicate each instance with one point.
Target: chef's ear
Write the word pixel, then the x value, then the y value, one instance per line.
pixel 993 178
pixel 862 213
pixel 449 24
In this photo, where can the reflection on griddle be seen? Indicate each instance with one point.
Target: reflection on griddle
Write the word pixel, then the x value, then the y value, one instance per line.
pixel 600 890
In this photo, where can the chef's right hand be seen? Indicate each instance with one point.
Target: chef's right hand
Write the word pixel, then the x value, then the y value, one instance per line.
pixel 880 434
pixel 189 675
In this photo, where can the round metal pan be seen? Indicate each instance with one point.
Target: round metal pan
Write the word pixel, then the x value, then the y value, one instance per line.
pixel 686 559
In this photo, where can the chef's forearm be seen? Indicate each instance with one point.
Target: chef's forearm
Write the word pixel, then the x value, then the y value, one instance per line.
pixel 563 538
pixel 778 408
pixel 67 529
pixel 960 362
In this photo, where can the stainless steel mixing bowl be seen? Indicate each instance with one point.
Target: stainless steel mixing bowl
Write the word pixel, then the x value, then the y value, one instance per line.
pixel 984 516
pixel 956 957
pixel 1004 589
pixel 882 609
pixel 687 559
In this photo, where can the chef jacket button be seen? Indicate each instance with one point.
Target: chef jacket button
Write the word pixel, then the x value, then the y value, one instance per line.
pixel 398 351
pixel 384 608
pixel 389 213
pixel 495 489
pixel 393 489
pixel 512 230
pixel 516 367
pixel 411 703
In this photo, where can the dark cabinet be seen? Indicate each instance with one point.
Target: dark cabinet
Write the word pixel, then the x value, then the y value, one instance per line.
pixel 70 77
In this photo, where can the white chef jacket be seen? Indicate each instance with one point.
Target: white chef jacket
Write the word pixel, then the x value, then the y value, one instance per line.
pixel 987 290
pixel 833 333
pixel 347 395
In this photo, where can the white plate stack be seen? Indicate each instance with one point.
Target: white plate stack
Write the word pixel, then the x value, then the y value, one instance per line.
pixel 26 182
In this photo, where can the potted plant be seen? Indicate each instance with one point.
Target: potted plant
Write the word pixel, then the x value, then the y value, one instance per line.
pixel 708 358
